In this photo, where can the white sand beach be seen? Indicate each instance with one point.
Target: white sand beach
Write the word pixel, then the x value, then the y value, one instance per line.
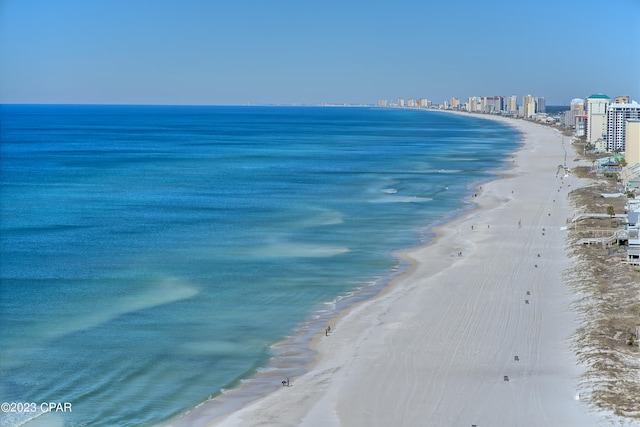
pixel 435 347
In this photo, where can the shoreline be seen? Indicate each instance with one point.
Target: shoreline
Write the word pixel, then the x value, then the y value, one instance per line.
pixel 341 373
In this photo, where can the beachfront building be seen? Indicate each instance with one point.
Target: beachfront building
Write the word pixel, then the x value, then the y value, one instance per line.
pixel 630 177
pixel 596 122
pixel 571 117
pixel 382 103
pixel 512 105
pixel 632 139
pixel 577 104
pixel 578 116
pixel 600 145
pixel 454 103
pixel 617 116
pixel 425 103
pixel 633 225
pixel 544 118
pixel 400 102
pixel 528 106
pixel 580 125
pixel 622 99
pixel 492 104
pixel 473 104
pixel 633 249
pixel 540 105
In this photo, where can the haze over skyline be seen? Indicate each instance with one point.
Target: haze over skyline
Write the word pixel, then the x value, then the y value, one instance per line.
pixel 287 52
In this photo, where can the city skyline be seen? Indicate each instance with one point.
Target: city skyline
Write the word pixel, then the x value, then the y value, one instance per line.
pixel 212 53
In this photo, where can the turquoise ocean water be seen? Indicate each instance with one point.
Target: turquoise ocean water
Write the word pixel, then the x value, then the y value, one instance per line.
pixel 152 256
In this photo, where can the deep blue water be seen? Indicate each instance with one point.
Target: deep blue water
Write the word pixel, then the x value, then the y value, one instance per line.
pixel 152 255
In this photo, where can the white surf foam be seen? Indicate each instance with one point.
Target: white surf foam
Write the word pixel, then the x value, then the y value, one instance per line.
pixel 403 199
pixel 299 250
pixel 165 291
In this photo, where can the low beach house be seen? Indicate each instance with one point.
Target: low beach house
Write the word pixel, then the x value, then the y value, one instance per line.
pixel 611 167
pixel 630 176
pixel 633 231
pixel 632 220
pixel 600 146
pixel 633 250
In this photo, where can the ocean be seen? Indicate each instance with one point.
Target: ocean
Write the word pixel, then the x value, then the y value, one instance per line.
pixel 155 256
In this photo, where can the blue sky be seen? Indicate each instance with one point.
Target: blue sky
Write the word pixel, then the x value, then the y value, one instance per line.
pixel 297 51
